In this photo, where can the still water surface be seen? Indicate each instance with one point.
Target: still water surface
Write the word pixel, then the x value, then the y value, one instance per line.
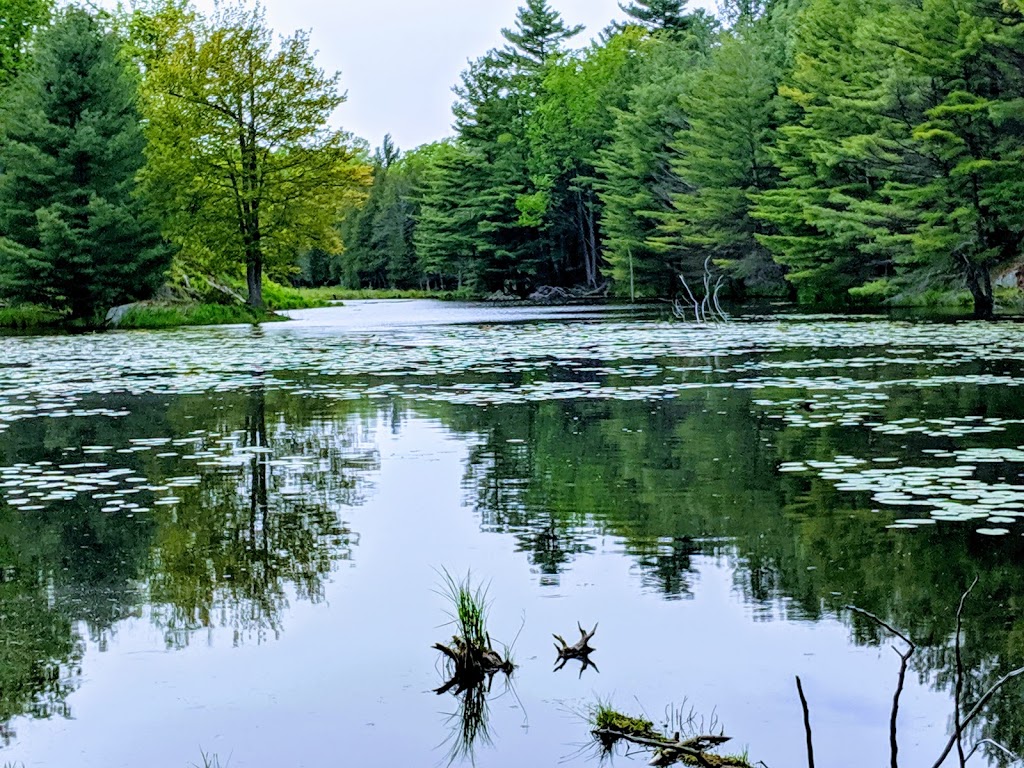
pixel 229 540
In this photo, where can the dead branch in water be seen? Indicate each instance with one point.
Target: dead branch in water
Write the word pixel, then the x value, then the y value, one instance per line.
pixel 894 747
pixel 612 727
pixel 961 721
pixel 706 308
pixel 807 722
pixel 580 651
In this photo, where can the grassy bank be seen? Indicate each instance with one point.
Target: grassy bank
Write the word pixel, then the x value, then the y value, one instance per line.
pixel 27 317
pixel 335 293
pixel 152 316
pixel 283 297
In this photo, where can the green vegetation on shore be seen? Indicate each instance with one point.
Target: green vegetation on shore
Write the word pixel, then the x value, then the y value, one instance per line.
pixel 843 152
pixel 158 315
pixel 848 152
pixel 29 316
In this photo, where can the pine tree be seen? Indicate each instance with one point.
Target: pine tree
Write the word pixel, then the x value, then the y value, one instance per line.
pixel 570 126
pixel 723 158
pixel 955 198
pixel 75 235
pixel 835 154
pixel 539 33
pixel 670 15
pixel 498 95
pixel 447 239
pixel 669 18
pixel 636 182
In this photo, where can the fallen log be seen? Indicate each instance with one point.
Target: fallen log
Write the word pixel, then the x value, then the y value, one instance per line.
pixel 470 665
pixel 692 751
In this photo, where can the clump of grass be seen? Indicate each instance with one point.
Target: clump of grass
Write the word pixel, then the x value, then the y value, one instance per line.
pixel 471 659
pixel 284 297
pixel 469 614
pixel 154 316
pixel 28 316
pixel 209 761
pixel 605 717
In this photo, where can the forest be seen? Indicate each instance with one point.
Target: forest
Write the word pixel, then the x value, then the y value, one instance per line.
pixel 835 152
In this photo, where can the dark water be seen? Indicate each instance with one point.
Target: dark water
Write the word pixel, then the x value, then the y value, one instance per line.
pixel 229 540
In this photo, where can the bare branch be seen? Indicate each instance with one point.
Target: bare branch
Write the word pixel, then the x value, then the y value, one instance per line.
pixel 977 709
pixel 807 723
pixel 957 702
pixel 894 747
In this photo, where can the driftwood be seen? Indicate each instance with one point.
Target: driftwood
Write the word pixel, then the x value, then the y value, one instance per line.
pixel 706 307
pixel 669 751
pixel 549 294
pixel 581 650
pixel 471 666
pixel 960 720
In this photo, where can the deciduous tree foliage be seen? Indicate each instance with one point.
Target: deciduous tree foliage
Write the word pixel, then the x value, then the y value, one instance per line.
pixel 75 234
pixel 19 20
pixel 243 161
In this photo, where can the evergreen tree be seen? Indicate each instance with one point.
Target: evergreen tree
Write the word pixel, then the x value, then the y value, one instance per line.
pixel 570 126
pixel 670 15
pixel 379 251
pixel 75 236
pixel 447 238
pixel 669 18
pixel 636 182
pixel 961 183
pixel 835 154
pixel 539 33
pixel 723 158
pixel 498 95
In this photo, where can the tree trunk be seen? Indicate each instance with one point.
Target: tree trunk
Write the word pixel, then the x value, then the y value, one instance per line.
pixel 254 278
pixel 585 243
pixel 595 268
pixel 980 283
pixel 984 307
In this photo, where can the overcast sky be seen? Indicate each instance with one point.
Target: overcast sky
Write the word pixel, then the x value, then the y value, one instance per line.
pixel 400 58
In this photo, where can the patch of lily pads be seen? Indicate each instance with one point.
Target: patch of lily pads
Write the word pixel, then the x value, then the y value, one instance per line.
pixel 946 494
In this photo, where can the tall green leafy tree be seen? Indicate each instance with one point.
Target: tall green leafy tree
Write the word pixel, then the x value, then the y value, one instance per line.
pixel 836 153
pixel 962 181
pixel 75 234
pixel 19 21
pixel 447 237
pixel 636 182
pixel 243 159
pixel 723 159
pixel 378 237
pixel 497 96
pixel 570 126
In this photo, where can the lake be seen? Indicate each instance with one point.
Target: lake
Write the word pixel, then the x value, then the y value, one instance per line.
pixel 233 540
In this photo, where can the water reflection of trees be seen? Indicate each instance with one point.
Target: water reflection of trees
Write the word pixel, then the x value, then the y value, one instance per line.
pixel 250 535
pixel 253 533
pixel 697 476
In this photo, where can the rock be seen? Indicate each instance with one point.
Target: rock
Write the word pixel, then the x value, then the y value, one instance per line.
pixel 116 314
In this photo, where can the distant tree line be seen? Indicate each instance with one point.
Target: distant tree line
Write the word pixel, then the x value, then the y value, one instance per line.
pixel 826 150
pixel 823 150
pixel 139 143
